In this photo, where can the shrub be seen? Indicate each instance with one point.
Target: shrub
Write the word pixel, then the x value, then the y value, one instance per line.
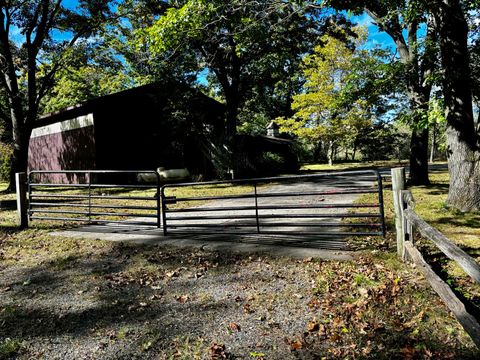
pixel 6 153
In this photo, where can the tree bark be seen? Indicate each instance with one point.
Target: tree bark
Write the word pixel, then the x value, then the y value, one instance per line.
pixel 419 157
pixel 462 137
pixel 330 152
pixel 317 152
pixel 433 149
pixel 354 152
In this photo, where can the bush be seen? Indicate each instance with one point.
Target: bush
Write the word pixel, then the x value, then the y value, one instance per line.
pixel 6 152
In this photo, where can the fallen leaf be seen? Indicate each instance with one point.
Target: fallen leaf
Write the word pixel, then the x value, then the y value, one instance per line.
pixel 172 274
pixel 313 326
pixel 233 326
pixel 247 309
pixel 335 337
pixel 408 352
pixel 217 351
pixel 182 299
pixel 296 345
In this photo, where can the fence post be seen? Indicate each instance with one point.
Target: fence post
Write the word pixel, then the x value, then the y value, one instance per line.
pixel 398 184
pixel 22 208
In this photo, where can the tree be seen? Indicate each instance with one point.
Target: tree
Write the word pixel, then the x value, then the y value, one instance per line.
pixel 401 20
pixel 35 37
pixel 474 49
pixel 463 138
pixel 240 45
pixel 448 27
pixel 331 110
pixel 140 63
pixel 93 71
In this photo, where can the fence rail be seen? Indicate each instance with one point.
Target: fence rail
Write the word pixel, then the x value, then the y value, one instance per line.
pixel 407 221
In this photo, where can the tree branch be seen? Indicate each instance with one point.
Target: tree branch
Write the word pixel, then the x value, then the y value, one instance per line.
pixel 393 29
pixel 47 80
pixel 42 28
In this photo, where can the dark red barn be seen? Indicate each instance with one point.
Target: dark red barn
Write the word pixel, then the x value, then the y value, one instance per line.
pixel 158 125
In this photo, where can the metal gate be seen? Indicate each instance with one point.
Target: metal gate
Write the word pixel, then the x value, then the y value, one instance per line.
pixel 309 205
pixel 95 196
pixel 317 205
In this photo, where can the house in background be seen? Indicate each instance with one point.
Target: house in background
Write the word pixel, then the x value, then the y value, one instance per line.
pixel 164 124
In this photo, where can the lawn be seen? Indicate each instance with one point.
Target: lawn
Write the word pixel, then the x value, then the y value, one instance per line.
pixel 352 165
pixel 461 228
pixel 3 195
pixel 73 299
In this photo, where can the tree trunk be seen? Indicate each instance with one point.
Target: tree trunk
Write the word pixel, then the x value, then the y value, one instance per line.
pixel 416 71
pixel 419 158
pixel 462 137
pixel 231 165
pixel 434 143
pixel 317 152
pixel 464 170
pixel 21 137
pixel 331 153
pixel 354 150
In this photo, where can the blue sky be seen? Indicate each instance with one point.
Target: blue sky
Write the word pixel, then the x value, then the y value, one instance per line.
pixel 375 36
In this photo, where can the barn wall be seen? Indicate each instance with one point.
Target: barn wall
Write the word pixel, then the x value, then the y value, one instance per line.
pixel 65 145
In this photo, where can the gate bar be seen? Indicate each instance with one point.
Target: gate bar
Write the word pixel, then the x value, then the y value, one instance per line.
pixel 56 200
pixel 362 175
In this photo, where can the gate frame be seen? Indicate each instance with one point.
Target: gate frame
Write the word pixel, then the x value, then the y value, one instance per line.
pixel 30 185
pixel 165 200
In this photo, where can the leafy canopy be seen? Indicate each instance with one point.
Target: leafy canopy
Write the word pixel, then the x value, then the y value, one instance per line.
pixel 333 106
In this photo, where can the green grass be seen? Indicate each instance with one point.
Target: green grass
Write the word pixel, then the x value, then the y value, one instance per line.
pixel 9 348
pixel 351 165
pixel 3 194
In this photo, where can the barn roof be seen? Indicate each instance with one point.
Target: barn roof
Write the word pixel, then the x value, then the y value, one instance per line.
pixel 159 89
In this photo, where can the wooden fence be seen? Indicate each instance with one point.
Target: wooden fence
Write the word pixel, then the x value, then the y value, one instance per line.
pixel 406 221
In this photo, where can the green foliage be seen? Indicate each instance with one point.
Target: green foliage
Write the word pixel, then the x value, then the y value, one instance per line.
pixel 37 39
pixel 336 105
pixel 384 141
pixel 6 152
pixel 92 72
pixel 249 51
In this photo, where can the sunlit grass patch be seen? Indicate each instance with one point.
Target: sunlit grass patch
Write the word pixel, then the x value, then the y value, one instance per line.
pixel 351 165
pixel 9 348
pixel 5 195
